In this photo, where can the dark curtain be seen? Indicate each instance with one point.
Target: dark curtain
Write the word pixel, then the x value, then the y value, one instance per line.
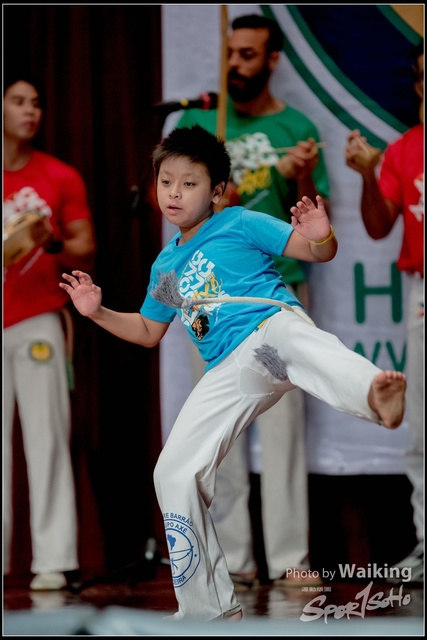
pixel 101 68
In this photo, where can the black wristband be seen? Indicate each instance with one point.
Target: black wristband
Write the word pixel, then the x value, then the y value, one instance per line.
pixel 55 246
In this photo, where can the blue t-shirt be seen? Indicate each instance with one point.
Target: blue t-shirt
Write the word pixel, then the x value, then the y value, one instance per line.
pixel 252 143
pixel 229 256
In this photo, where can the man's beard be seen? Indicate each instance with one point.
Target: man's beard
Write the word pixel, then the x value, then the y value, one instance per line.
pixel 252 87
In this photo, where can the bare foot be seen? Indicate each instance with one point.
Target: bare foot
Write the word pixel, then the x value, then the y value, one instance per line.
pixel 236 616
pixel 298 577
pixel 246 576
pixel 387 397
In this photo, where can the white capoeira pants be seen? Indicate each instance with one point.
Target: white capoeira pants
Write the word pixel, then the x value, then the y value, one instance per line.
pixel 35 376
pixel 226 400
pixel 415 399
pixel 283 491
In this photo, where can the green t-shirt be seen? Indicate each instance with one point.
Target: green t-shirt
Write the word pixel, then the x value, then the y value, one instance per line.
pixel 251 141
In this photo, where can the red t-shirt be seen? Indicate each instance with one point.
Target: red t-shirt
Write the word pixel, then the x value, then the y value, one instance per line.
pixel 402 181
pixel 54 188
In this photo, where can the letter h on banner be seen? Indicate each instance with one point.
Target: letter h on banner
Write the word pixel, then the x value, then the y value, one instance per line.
pixel 362 291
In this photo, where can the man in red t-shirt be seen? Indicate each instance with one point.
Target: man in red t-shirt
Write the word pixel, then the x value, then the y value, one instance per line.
pixel 47 228
pixel 399 190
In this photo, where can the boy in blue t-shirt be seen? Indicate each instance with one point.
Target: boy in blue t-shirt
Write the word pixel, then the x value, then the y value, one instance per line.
pixel 256 349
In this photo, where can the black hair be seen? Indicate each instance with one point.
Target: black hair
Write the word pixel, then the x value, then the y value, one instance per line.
pixel 197 145
pixel 11 76
pixel 255 21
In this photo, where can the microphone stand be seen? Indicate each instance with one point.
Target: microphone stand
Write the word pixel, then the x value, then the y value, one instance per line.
pixel 145 568
pixel 138 204
pixel 141 571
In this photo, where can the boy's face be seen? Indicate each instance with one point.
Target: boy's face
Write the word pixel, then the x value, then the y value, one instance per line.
pixel 21 112
pixel 185 195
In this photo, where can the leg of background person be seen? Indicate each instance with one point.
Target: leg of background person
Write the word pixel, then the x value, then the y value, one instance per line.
pixel 8 414
pixel 230 509
pixel 230 506
pixel 415 395
pixel 284 490
pixel 44 407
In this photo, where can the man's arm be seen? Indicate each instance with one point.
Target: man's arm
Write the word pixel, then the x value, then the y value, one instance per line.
pixel 78 247
pixel 378 213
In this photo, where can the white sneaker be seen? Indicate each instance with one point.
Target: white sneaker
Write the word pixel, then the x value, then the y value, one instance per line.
pixel 48 582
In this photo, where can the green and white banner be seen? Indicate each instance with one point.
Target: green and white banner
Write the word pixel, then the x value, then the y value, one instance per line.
pixel 345 67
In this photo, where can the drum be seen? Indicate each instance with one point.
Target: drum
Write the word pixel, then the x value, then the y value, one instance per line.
pixel 20 236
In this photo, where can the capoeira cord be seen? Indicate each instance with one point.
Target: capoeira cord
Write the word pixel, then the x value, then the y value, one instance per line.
pixel 167 292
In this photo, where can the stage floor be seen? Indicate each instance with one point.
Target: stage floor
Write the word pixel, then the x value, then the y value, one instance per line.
pixel 117 606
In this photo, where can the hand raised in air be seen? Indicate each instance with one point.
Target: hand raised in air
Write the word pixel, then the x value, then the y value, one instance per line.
pixel 86 295
pixel 310 221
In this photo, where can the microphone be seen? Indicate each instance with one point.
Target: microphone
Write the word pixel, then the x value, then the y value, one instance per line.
pixel 205 101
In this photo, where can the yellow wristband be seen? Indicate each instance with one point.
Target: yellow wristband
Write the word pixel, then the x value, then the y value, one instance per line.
pixel 330 236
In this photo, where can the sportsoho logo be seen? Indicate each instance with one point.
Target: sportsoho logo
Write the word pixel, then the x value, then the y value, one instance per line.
pixel 364 601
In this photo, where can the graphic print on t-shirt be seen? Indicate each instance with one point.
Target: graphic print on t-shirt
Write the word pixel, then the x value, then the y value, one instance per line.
pixel 198 280
pixel 251 156
pixel 418 209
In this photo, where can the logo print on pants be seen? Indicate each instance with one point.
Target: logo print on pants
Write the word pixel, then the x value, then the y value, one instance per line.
pixel 41 351
pixel 183 547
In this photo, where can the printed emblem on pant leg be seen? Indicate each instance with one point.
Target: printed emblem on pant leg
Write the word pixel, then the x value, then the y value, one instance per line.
pixel 183 547
pixel 41 351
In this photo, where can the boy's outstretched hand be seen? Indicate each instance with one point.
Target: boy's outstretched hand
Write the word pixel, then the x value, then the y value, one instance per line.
pixel 85 295
pixel 311 222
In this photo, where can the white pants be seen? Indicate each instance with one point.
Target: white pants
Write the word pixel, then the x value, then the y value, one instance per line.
pixel 35 376
pixel 284 492
pixel 415 399
pixel 226 400
pixel 284 489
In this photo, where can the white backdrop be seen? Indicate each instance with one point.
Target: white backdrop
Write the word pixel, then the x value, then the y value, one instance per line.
pixel 336 443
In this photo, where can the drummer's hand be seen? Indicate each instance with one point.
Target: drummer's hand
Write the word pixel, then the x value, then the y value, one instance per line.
pixel 359 155
pixel 42 232
pixel 300 160
pixel 86 295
